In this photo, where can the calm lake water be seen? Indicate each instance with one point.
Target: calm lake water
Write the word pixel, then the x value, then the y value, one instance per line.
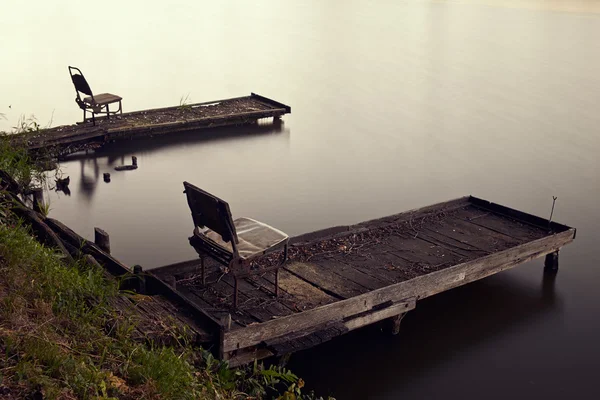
pixel 396 105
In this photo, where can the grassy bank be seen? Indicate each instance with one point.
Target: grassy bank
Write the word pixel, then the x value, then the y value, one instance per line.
pixel 62 338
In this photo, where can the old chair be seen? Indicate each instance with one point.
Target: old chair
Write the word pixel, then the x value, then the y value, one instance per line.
pixel 233 243
pixel 96 104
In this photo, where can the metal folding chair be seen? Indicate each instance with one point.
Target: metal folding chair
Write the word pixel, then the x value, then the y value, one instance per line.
pixel 232 243
pixel 96 104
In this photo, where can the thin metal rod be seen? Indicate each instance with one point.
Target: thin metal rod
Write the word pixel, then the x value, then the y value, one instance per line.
pixel 203 271
pixel 552 212
pixel 235 292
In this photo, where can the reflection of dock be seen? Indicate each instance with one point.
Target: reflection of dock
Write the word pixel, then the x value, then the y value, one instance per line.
pixel 63 140
pixel 343 278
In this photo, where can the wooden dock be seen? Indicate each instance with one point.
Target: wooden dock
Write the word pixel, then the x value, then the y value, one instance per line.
pixel 67 139
pixel 347 277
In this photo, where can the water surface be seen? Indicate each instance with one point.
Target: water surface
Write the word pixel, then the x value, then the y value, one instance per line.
pixel 396 105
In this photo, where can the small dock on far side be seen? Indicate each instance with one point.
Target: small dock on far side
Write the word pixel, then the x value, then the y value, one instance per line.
pixel 346 277
pixel 63 140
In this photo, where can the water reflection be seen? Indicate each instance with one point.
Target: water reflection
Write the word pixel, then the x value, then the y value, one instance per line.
pixel 186 139
pixel 87 181
pixel 440 332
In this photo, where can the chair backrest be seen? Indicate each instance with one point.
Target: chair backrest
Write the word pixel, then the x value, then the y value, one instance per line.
pixel 79 82
pixel 211 212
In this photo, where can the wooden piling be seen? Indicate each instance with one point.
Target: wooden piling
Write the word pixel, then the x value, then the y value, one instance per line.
pixel 102 239
pixel 226 322
pixel 551 262
pixel 170 280
pixel 38 199
pixel 395 322
pixel 134 161
pixel 141 280
pixel 106 177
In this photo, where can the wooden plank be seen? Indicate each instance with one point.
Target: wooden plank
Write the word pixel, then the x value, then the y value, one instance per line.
pixel 248 355
pixel 216 312
pixel 325 280
pixel 464 250
pixel 382 264
pixel 181 268
pixel 258 303
pixel 500 224
pixel 193 122
pixel 534 220
pixel 418 288
pixel 306 295
pixel 350 272
pixel 474 236
pixel 271 102
pixel 267 282
pixel 418 250
pixel 370 318
pixel 415 214
pixel 298 341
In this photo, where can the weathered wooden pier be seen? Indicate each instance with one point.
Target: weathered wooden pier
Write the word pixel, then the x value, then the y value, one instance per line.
pixel 335 280
pixel 343 278
pixel 64 140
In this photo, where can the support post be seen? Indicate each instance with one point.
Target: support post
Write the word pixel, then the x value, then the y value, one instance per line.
pixel 102 239
pixel 106 177
pixel 284 360
pixel 551 262
pixel 395 323
pixel 38 199
pixel 226 322
pixel 203 271
pixel 171 281
pixel 134 161
pixel 141 280
pixel 235 291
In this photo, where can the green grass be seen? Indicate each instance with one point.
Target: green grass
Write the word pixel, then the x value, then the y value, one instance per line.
pixel 54 336
pixel 16 162
pixel 62 336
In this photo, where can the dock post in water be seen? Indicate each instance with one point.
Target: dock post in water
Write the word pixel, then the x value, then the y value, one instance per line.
pixel 395 323
pixel 38 199
pixel 134 161
pixel 102 239
pixel 551 262
pixel 141 280
pixel 106 177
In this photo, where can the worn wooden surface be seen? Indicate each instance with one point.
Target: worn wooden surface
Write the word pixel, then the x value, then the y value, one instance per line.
pixel 360 274
pixel 63 140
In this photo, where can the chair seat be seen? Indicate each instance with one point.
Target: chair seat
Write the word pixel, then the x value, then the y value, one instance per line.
pixel 102 99
pixel 254 237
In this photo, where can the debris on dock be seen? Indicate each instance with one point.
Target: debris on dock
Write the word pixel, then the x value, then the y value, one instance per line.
pixel 343 278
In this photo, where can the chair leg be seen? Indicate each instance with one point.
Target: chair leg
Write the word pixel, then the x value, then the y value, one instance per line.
pixel 285 258
pixel 235 292
pixel 203 271
pixel 107 112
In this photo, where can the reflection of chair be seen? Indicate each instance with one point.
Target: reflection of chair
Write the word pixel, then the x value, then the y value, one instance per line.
pixel 98 104
pixel 233 243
